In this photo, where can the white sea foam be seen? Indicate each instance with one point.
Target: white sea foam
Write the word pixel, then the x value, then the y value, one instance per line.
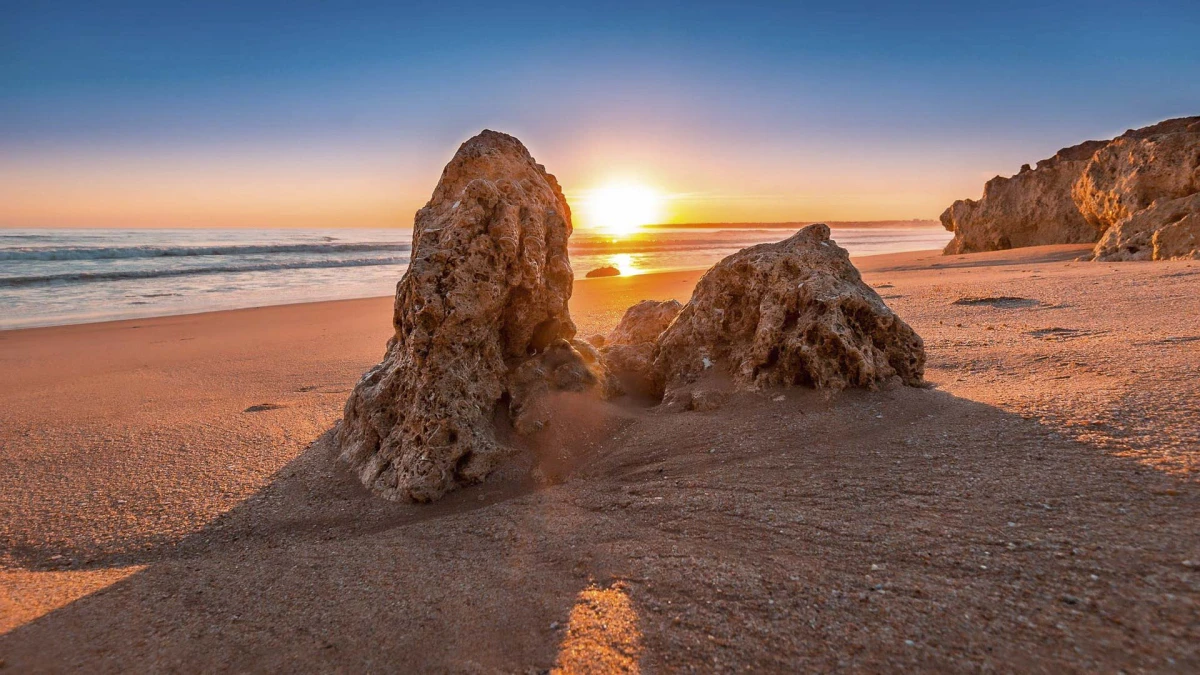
pixel 52 277
pixel 115 252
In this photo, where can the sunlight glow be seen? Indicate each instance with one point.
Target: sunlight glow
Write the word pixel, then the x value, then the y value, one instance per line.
pixel 603 635
pixel 622 208
pixel 624 262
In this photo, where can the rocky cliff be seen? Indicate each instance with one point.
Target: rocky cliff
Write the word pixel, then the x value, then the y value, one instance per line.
pixel 1091 192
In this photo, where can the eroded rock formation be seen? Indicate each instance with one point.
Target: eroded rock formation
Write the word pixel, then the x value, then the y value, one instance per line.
pixel 482 329
pixel 629 349
pixel 1093 191
pixel 794 312
pixel 644 322
pixel 1169 229
pixel 1032 208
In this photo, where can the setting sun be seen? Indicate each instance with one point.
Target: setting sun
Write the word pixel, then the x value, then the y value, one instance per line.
pixel 621 208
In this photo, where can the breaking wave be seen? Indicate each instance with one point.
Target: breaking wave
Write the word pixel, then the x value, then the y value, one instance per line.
pixel 123 252
pixel 83 277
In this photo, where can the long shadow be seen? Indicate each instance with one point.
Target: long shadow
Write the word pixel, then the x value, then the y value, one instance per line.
pixel 906 528
pixel 997 259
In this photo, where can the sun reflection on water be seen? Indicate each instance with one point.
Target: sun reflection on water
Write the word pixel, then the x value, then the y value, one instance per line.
pixel 624 262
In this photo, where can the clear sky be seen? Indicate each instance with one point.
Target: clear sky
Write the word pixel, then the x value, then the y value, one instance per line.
pixel 299 114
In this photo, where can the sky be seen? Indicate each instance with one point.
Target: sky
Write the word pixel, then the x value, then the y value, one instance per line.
pixel 342 114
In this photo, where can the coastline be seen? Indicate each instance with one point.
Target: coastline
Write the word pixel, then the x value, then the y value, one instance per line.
pixel 169 472
pixel 606 298
pixel 66 277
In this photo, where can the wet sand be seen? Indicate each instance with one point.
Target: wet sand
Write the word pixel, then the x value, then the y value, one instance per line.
pixel 163 504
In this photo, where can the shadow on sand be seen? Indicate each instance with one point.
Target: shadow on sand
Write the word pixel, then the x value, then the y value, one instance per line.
pixel 898 529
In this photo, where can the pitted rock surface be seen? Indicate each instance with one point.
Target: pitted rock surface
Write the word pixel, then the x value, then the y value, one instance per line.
pixel 1130 174
pixel 794 312
pixel 1032 208
pixel 1168 230
pixel 481 329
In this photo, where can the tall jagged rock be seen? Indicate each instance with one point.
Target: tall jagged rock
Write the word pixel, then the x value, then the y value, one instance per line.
pixel 482 329
pixel 1086 191
pixel 794 312
pixel 1143 184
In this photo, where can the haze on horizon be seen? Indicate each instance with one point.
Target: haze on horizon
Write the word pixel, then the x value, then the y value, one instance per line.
pixel 271 114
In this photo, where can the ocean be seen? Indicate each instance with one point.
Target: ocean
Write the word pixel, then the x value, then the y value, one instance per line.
pixel 53 277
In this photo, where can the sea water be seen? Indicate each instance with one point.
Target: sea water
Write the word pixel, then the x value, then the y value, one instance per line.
pixel 51 277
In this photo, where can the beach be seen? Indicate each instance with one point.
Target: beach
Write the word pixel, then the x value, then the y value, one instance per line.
pixel 168 498
pixel 52 277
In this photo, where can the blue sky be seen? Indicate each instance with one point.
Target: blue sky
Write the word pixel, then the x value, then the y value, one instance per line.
pixel 247 113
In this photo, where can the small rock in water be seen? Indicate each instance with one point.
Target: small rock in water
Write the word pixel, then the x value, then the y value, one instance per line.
pixel 606 271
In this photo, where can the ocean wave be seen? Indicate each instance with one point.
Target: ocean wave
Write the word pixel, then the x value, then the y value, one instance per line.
pixel 121 252
pixel 86 277
pixel 605 247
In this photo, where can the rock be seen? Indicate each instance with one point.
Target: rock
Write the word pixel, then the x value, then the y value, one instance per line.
pixel 630 347
pixel 610 385
pixel 633 366
pixel 1032 208
pixel 794 312
pixel 644 322
pixel 606 271
pixel 1143 193
pixel 482 329
pixel 1168 229
pixel 1132 172
pixel 1084 191
pixel 1179 240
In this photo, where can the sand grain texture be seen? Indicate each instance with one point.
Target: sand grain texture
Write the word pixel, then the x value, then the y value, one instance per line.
pixel 1034 510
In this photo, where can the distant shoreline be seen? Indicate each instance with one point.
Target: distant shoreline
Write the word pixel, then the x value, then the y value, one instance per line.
pixel 835 224
pixel 624 291
pixel 916 222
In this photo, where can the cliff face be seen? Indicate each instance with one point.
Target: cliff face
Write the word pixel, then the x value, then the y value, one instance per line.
pixel 1031 208
pixel 1084 192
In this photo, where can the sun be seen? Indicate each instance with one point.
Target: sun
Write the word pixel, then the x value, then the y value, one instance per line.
pixel 621 209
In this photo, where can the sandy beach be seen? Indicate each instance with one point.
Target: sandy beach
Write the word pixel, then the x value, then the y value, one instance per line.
pixel 168 500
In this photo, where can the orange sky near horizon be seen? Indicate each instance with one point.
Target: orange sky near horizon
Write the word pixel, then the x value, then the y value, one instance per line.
pixel 277 186
pixel 309 115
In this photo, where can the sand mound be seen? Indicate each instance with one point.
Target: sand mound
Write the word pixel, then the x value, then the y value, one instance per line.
pixel 482 329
